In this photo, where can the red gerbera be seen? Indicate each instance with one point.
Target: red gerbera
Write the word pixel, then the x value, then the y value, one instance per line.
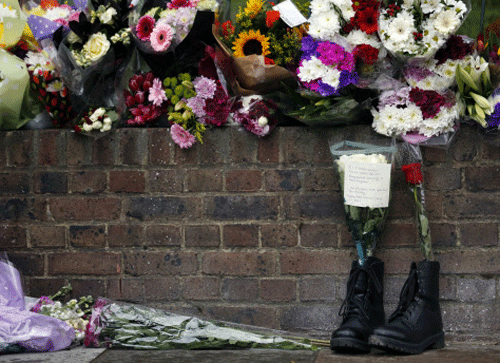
pixel 271 17
pixel 366 20
pixel 144 27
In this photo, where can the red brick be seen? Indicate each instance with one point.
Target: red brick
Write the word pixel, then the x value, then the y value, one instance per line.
pixel 434 205
pixel 315 206
pixel 81 209
pixel 12 237
pixel 127 181
pixel 269 148
pixel 238 207
pixel 164 207
pixel 240 289
pixel 317 288
pixel 87 236
pixel 48 147
pixel 296 145
pixel 320 179
pixel 125 235
pixel 434 155
pixel 318 235
pixel 243 147
pixel 200 288
pixel 243 180
pixel 86 287
pixel 238 263
pixel 442 178
pixel 37 287
pixel 105 150
pixel 279 235
pixel 20 148
pixel 478 234
pixel 132 146
pixel 240 235
pixel 84 263
pixel 470 262
pixel 15 183
pixel 167 181
pixel 47 236
pixel 248 315
pixel 204 180
pixel 320 140
pixel 278 290
pixel 465 148
pixel 215 145
pixel 163 235
pixel 282 180
pixel 315 262
pixel 471 205
pixel 160 144
pixel 88 182
pixel 398 261
pixel 162 289
pixel 399 235
pixel 28 264
pixel 483 178
pixel 78 149
pixel 125 289
pixel 401 205
pixel 202 236
pixel 50 182
pixel 160 263
pixel 443 235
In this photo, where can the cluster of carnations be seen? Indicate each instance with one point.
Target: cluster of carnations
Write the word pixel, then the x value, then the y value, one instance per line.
pixel 326 67
pixel 259 30
pixel 49 88
pixel 145 99
pixel 439 72
pixel 256 114
pixel 410 28
pixel 354 20
pixel 97 119
pixel 413 110
pixel 162 28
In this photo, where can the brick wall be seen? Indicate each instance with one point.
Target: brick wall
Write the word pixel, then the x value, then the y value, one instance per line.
pixel 240 229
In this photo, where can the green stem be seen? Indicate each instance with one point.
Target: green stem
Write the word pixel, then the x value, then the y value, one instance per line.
pixel 422 224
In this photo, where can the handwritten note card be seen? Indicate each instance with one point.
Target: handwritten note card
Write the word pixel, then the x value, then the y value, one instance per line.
pixel 367 185
pixel 290 14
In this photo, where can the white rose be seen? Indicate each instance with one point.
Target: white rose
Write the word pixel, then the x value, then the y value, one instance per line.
pixel 96 47
pixel 106 121
pixel 107 16
pixel 262 121
pixel 100 111
pixel 106 127
pixel 87 127
pixel 97 125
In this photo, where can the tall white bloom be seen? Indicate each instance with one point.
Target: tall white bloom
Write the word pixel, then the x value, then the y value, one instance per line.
pixel 447 22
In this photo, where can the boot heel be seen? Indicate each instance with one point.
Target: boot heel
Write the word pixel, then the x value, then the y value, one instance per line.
pixel 438 344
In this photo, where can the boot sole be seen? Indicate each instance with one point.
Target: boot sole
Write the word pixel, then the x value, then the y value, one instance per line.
pixel 348 345
pixel 396 346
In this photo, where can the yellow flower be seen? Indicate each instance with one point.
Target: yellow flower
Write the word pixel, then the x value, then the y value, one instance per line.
pixel 253 8
pixel 251 42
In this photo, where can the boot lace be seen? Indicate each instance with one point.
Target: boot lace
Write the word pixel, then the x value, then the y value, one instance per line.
pixel 407 296
pixel 353 305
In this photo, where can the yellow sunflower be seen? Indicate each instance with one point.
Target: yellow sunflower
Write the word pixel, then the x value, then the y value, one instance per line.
pixel 251 42
pixel 253 8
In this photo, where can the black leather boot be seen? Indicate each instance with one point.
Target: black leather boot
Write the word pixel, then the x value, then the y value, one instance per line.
pixel 416 325
pixel 362 309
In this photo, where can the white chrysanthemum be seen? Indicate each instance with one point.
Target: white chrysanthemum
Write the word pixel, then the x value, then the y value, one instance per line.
pixel 317 31
pixel 331 77
pixel 458 5
pixel 360 158
pixel 430 6
pixel 447 22
pixel 414 116
pixel 407 4
pixel 7 11
pixel 330 21
pixel 401 28
pixel 57 13
pixel 346 8
pixel 319 7
pixel 357 37
pixel 311 69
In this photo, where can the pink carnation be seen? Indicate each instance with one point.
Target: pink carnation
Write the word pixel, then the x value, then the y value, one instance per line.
pixel 161 37
pixel 182 137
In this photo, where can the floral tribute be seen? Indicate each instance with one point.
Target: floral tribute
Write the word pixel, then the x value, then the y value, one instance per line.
pixel 97 119
pixel 326 67
pixel 410 28
pixel 161 29
pixel 50 90
pixel 145 99
pixel 259 29
pixel 256 114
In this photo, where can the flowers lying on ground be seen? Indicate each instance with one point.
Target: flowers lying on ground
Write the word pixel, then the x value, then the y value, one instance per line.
pixel 419 28
pixel 97 119
pixel 256 114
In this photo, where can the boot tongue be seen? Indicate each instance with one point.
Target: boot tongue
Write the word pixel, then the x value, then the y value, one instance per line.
pixel 361 284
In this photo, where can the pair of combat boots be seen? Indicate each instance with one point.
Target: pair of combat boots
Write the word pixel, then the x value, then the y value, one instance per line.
pixel 415 326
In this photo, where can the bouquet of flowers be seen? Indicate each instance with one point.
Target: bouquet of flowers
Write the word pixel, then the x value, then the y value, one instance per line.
pixel 145 99
pixel 97 119
pixel 49 88
pixel 256 114
pixel 413 111
pixel 365 177
pixel 418 28
pixel 257 45
pixel 124 325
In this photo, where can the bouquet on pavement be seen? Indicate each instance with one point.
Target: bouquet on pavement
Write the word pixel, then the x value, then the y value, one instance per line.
pixel 364 172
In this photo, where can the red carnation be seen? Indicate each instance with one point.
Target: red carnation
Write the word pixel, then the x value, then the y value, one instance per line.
pixel 413 173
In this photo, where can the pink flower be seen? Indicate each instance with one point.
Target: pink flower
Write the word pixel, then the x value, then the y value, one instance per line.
pixel 74 16
pixel 144 27
pixel 157 93
pixel 181 137
pixel 161 37
pixel 204 87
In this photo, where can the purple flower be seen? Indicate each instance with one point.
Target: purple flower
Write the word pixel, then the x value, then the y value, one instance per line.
pixel 326 90
pixel 330 53
pixel 205 87
pixel 197 104
pixel 346 78
pixel 309 46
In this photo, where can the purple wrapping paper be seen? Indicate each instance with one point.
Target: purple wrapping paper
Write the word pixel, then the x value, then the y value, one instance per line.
pixel 11 290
